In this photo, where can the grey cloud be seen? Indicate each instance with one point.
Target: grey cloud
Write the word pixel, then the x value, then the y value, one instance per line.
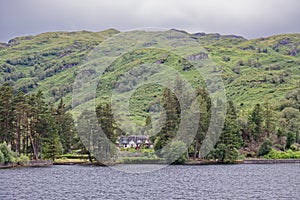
pixel 250 18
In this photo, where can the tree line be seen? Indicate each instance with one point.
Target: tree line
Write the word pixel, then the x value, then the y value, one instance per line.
pixel 34 128
pixel 253 132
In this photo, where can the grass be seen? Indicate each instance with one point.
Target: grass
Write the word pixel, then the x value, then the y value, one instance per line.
pixel 141 160
pixel 71 160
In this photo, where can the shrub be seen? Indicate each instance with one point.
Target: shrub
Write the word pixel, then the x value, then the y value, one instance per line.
pixel 175 153
pixel 240 63
pixel 291 138
pixel 1 158
pixel 23 160
pixel 7 154
pixel 226 58
pixel 279 146
pixel 265 148
pixel 273 154
pixel 294 147
pixel 231 156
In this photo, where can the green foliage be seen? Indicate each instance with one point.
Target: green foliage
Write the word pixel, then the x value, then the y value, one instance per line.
pixel 226 153
pixel 65 127
pixel 294 147
pixel 158 146
pixel 52 147
pixel 273 154
pixel 172 109
pixel 175 152
pixel 140 160
pixel 74 156
pixel 230 141
pixel 265 148
pixel 23 160
pixel 231 155
pixel 107 122
pixel 2 159
pixel 256 118
pixel 28 120
pixel 49 62
pixel 290 139
pixel 7 155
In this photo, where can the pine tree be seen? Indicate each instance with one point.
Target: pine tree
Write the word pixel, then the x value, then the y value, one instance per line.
pixel 256 120
pixel 6 99
pixel 269 119
pixel 169 130
pixel 19 114
pixel 37 114
pixel 106 120
pixel 65 126
pixel 52 145
pixel 204 103
pixel 230 140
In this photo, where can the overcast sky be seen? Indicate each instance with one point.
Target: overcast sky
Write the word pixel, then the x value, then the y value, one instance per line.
pixel 249 18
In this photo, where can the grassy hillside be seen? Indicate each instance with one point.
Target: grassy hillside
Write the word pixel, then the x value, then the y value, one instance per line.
pixel 47 61
pixel 253 71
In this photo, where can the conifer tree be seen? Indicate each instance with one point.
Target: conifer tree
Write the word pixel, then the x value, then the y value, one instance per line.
pixel 230 140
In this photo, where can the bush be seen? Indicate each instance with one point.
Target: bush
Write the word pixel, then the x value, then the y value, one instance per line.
pixel 23 160
pixel 231 156
pixel 294 147
pixel 1 158
pixel 7 154
pixel 175 153
pixel 226 58
pixel 265 148
pixel 279 146
pixel 291 138
pixel 273 154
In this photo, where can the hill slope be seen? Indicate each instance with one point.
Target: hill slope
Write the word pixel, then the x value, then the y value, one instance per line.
pixel 253 71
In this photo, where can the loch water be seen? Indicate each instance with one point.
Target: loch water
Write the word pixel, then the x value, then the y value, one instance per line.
pixel 280 181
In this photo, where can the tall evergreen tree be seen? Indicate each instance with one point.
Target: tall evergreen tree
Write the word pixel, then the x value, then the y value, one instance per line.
pixel 230 140
pixel 65 126
pixel 205 105
pixel 172 114
pixel 51 141
pixel 256 121
pixel 6 100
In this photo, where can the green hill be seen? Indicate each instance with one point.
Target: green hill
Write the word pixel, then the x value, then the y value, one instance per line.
pixel 252 71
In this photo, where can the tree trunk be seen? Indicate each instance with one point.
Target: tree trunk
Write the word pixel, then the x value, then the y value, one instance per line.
pixel 200 156
pixel 90 157
pixel 195 149
pixel 187 153
pixel 18 138
pixel 35 151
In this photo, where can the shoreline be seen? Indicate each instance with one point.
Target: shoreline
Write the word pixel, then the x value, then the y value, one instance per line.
pixel 32 163
pixel 271 161
pixel 47 163
pixel 189 163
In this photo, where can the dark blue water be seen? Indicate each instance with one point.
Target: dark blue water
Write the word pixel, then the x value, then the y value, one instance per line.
pixel 173 182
